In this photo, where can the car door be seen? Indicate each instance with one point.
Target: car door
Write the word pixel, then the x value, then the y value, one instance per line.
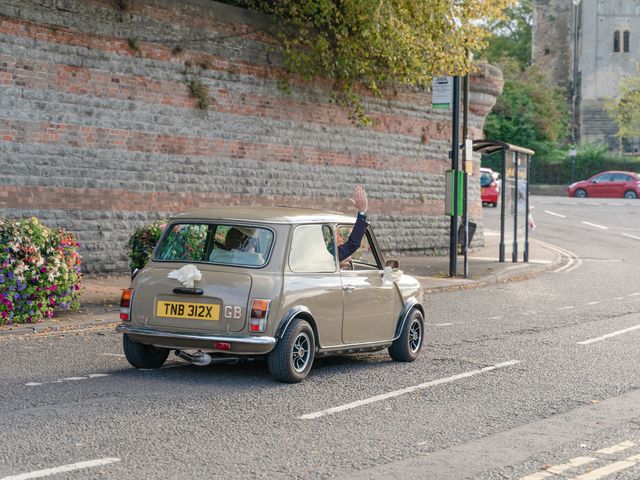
pixel 599 186
pixel 369 301
pixel 312 280
pixel 618 184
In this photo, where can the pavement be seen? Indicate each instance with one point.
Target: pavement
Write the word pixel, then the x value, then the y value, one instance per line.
pixel 100 298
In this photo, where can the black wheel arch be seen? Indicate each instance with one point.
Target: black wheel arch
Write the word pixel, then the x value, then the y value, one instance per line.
pixel 409 305
pixel 299 311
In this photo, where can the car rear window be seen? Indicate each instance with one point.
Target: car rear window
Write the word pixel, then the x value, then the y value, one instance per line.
pixel 485 179
pixel 223 244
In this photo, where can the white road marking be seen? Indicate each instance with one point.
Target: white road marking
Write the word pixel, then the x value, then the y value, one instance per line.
pixel 618 298
pixel 573 463
pixel 606 470
pixel 616 448
pixel 403 391
pixel 438 324
pixel 634 294
pixel 631 236
pixel 609 335
pixel 573 263
pixel 63 468
pixel 68 379
pixel 554 214
pixel 494 318
pixel 570 307
pixel 112 354
pixel 593 303
pixel 596 225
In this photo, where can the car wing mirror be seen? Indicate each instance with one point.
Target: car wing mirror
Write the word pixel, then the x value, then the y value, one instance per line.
pixel 394 264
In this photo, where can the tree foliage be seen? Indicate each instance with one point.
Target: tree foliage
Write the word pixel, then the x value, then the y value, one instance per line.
pixel 625 109
pixel 510 40
pixel 380 43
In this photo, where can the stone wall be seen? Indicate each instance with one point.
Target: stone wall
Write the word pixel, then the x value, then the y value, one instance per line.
pixel 100 133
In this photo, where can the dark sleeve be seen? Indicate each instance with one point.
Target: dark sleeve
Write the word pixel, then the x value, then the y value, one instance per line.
pixel 355 238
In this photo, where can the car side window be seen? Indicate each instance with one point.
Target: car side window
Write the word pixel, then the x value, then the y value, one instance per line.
pixel 364 256
pixel 602 178
pixel 310 249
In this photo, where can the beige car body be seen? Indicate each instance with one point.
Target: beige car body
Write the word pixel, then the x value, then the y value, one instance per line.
pixel 349 311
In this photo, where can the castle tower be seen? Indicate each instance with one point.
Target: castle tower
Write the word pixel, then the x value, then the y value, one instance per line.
pixel 605 35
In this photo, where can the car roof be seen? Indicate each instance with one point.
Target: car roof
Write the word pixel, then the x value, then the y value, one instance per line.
pixel 265 215
pixel 485 169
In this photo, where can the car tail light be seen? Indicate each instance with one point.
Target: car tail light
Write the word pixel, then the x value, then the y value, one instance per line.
pixel 259 312
pixel 125 304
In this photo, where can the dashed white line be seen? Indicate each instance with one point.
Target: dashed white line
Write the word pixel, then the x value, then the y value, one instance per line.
pixel 112 354
pixel 568 307
pixel 634 294
pixel 631 236
pixel 403 391
pixel 61 469
pixel 593 303
pixel 554 214
pixel 596 225
pixel 618 298
pixel 609 335
pixel 68 379
pixel 494 318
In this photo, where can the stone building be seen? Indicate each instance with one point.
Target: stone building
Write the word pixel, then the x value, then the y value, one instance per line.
pixel 587 47
pixel 101 132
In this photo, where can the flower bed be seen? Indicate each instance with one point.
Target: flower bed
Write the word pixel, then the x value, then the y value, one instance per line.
pixel 39 271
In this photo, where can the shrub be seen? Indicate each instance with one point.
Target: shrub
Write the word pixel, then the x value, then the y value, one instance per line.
pixel 39 271
pixel 141 244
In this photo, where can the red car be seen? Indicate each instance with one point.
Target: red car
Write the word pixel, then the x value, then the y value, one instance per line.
pixel 489 188
pixel 613 184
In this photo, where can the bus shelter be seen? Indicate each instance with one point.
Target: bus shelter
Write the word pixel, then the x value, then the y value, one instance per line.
pixel 514 195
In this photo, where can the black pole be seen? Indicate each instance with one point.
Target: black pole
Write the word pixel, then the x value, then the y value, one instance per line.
pixel 514 256
pixel 465 198
pixel 455 157
pixel 503 196
pixel 526 222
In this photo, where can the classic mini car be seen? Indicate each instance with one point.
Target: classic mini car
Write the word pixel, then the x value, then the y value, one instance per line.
pixel 228 283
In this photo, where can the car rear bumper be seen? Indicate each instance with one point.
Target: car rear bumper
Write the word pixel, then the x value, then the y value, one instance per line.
pixel 245 345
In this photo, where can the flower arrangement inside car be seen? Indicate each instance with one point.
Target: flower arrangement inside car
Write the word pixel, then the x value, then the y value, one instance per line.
pixel 39 271
pixel 225 284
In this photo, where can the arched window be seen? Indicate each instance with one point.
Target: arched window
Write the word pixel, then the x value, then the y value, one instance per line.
pixel 616 41
pixel 625 41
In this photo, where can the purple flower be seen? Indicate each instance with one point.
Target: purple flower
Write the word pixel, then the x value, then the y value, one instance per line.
pixel 2 279
pixel 10 275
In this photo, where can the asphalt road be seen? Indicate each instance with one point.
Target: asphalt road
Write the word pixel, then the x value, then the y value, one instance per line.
pixel 532 379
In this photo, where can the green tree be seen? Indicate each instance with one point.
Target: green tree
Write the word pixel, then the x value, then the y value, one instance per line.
pixel 379 43
pixel 510 40
pixel 625 109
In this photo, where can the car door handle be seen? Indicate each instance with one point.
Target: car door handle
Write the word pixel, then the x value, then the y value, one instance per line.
pixel 348 288
pixel 188 291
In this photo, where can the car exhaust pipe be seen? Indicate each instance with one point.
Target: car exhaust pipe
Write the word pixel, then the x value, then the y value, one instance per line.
pixel 202 359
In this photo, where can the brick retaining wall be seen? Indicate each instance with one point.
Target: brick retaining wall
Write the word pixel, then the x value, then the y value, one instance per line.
pixel 99 137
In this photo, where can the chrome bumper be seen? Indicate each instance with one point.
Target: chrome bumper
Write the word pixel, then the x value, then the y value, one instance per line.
pixel 152 332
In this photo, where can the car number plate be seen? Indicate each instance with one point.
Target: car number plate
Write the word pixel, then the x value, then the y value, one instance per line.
pixel 191 311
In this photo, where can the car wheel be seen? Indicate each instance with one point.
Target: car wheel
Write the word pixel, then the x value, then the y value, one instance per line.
pixel 630 194
pixel 143 356
pixel 495 204
pixel 580 193
pixel 291 360
pixel 407 346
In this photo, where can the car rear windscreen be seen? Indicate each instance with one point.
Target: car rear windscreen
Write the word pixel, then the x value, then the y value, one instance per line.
pixel 239 245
